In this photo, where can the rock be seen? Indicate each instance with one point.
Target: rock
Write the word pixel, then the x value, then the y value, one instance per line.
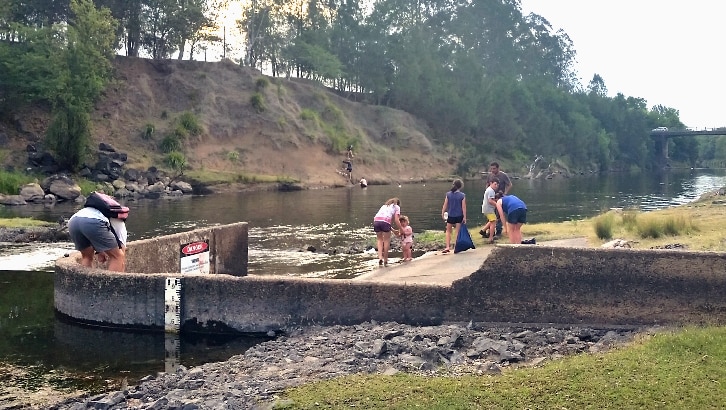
pixel 32 192
pixel 132 175
pixel 617 243
pixel 157 187
pixel 106 147
pixel 304 355
pixel 183 186
pixel 118 184
pixel 132 187
pixel 122 193
pixel 12 200
pixel 62 187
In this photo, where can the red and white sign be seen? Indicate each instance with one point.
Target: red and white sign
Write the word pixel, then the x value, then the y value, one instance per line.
pixel 194 257
pixel 194 248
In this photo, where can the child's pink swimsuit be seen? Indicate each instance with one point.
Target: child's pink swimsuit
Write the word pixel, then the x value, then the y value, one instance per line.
pixel 407 235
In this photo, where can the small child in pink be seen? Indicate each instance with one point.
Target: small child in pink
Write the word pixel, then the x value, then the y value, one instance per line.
pixel 406 238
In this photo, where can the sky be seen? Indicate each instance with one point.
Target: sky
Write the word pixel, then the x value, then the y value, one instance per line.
pixel 666 52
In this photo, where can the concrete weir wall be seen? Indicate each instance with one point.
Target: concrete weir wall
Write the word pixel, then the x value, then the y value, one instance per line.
pixel 525 284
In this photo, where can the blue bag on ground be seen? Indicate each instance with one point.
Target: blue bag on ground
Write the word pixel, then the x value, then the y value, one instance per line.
pixel 463 240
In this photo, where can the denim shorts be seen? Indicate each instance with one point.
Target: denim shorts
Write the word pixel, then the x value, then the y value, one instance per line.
pixel 94 232
pixel 380 226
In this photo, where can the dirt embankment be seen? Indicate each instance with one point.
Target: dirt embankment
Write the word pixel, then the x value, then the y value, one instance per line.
pixel 251 126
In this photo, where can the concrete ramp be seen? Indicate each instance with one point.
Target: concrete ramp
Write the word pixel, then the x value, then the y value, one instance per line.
pixel 433 268
pixel 436 268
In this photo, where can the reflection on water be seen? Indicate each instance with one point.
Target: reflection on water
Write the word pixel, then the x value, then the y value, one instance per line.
pixel 30 335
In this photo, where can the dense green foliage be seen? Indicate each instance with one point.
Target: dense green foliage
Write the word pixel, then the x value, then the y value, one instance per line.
pixel 681 370
pixel 64 65
pixel 491 82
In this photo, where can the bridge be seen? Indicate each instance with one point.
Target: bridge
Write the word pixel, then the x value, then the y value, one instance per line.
pixel 687 133
pixel 661 139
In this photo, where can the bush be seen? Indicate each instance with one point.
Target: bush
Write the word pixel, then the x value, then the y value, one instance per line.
pixel 176 161
pixel 307 114
pixel 649 228
pixel 190 123
pixel 87 186
pixel 170 143
pixel 656 227
pixel 233 156
pixel 630 219
pixel 10 182
pixel 262 83
pixel 604 226
pixel 69 135
pixel 258 102
pixel 180 132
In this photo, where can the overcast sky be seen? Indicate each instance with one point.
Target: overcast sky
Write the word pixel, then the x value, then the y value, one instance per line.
pixel 666 52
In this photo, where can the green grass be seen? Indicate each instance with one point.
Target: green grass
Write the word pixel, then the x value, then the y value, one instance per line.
pixel 221 177
pixel 604 225
pixel 673 370
pixel 10 182
pixel 23 223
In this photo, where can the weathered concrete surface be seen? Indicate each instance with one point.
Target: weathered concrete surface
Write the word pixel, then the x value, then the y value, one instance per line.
pixel 136 298
pixel 262 303
pixel 227 244
pixel 505 283
pixel 579 285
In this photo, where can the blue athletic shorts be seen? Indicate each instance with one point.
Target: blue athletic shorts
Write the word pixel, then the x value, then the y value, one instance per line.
pixel 455 219
pixel 518 216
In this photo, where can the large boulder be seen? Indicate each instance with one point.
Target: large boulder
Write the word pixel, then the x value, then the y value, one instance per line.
pixel 63 187
pixel 132 174
pixel 183 186
pixel 32 192
pixel 157 187
pixel 12 200
pixel 118 184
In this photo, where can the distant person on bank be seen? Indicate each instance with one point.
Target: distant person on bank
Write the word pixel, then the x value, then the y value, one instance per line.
pixel 92 232
pixel 505 185
pixel 455 209
pixel 389 213
pixel 514 211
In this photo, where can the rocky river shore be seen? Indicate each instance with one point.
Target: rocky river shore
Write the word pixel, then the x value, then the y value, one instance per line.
pixel 255 379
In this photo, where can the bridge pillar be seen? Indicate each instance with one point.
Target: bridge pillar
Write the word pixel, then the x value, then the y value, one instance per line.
pixel 661 150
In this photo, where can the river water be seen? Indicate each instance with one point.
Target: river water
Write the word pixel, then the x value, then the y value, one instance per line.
pixel 282 224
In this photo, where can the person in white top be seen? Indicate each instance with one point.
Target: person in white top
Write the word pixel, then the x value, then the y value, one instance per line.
pixel 382 226
pixel 92 232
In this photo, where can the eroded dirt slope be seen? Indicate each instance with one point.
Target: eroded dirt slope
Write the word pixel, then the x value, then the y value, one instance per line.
pixel 298 131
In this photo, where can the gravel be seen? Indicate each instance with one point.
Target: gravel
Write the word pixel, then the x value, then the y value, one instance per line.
pixel 254 379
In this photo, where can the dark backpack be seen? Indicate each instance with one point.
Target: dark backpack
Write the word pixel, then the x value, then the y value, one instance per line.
pixel 107 205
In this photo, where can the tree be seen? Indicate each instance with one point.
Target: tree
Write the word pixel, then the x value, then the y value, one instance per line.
pixel 597 86
pixel 86 70
pixel 189 20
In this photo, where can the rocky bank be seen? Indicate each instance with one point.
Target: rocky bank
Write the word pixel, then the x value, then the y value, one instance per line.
pixel 255 379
